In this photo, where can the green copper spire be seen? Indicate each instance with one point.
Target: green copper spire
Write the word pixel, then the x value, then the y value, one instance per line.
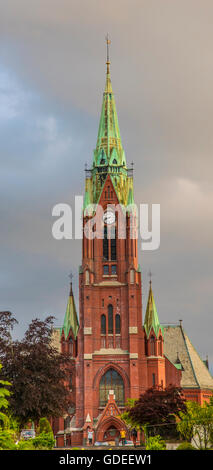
pixel 109 147
pixel 109 156
pixel 151 318
pixel 70 319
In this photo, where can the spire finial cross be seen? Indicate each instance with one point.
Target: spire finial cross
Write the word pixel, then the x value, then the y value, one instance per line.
pixel 108 42
pixel 150 277
pixel 71 276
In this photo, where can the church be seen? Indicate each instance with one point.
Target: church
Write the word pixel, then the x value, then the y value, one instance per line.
pixel 115 355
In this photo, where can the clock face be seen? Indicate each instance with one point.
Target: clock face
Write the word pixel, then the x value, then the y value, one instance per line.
pixel 109 217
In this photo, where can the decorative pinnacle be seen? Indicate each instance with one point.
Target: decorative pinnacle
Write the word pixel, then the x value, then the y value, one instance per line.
pixel 108 42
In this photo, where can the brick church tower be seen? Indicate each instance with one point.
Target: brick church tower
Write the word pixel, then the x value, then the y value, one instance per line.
pixel 116 359
pixel 113 356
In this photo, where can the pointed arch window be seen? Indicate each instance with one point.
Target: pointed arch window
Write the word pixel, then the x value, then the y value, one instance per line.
pixel 87 277
pixel 63 345
pixel 113 244
pixel 160 346
pixel 152 346
pixel 117 324
pixel 110 319
pixel 103 324
pixel 111 380
pixel 70 346
pixel 105 244
pixel 132 276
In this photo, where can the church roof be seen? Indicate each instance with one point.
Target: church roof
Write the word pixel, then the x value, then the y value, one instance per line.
pixel 151 317
pixel 195 374
pixel 70 319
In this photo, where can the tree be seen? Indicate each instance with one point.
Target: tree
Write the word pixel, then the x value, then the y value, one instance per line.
pixel 157 407
pixel 7 432
pixel 125 416
pixel 130 421
pixel 7 322
pixel 196 423
pixel 37 372
pixel 4 392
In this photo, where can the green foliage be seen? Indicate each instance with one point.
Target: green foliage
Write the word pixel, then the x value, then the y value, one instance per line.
pixel 155 443
pixel 25 445
pixel 197 424
pixel 44 426
pixel 44 441
pixel 7 424
pixel 7 439
pixel 185 446
pixel 4 393
pixel 126 415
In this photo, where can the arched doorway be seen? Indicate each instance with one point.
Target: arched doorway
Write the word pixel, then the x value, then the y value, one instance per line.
pixel 109 429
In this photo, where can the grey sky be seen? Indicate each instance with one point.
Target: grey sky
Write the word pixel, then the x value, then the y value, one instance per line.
pixel 52 75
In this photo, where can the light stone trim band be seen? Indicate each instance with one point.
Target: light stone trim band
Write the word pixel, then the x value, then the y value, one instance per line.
pixel 87 330
pixel 133 329
pixel 110 351
pixel 133 355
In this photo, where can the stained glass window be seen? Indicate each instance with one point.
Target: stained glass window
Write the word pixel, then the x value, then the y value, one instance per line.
pixel 111 381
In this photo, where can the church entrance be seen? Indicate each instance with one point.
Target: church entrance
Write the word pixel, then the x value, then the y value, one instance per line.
pixel 109 430
pixel 111 434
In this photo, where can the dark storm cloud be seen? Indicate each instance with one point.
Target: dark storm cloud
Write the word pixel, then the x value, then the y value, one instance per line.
pixel 51 82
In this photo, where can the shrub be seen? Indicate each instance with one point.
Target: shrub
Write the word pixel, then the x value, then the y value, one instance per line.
pixel 185 446
pixel 7 440
pixel 44 441
pixel 155 443
pixel 25 445
pixel 44 426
